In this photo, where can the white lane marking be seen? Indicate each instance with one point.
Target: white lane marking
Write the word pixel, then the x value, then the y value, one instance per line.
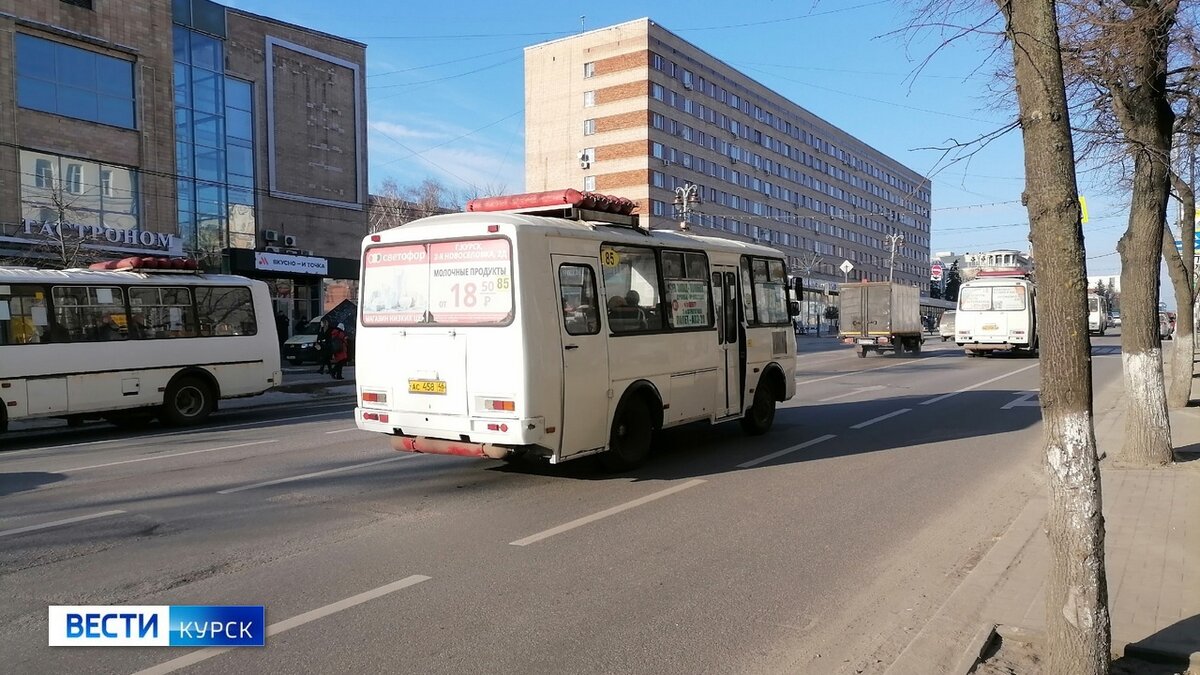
pixel 860 390
pixel 977 385
pixel 171 433
pixel 65 521
pixel 873 420
pixel 342 431
pixel 1023 401
pixel 287 624
pixel 781 453
pixel 871 370
pixel 175 454
pixel 578 522
pixel 326 472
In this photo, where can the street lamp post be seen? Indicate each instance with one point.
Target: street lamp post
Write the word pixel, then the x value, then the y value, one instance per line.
pixel 687 196
pixel 894 240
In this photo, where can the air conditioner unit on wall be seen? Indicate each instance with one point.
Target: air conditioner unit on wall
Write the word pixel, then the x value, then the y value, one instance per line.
pixel 272 249
pixel 270 235
pixel 289 241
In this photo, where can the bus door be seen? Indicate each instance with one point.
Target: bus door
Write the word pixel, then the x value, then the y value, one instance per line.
pixel 585 403
pixel 730 353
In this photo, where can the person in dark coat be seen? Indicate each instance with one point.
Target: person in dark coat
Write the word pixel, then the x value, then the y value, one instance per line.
pixel 324 355
pixel 339 347
pixel 281 327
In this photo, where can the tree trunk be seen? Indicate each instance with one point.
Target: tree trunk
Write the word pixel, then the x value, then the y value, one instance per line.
pixel 1181 268
pixel 1148 124
pixel 1077 620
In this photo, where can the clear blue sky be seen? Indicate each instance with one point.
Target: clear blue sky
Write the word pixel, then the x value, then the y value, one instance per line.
pixel 445 93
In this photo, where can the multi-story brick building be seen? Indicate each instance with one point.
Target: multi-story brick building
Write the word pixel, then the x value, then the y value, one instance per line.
pixel 184 127
pixel 634 110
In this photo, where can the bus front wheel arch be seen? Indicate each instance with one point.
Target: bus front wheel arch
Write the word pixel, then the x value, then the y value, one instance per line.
pixel 761 415
pixel 189 399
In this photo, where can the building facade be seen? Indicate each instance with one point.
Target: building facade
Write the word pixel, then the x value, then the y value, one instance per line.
pixel 635 111
pixel 182 127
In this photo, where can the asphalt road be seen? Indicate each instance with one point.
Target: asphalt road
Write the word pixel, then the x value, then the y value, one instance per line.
pixel 820 547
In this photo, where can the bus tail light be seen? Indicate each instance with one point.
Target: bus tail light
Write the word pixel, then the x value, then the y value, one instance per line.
pixel 493 228
pixel 374 397
pixel 1018 332
pixel 499 404
pixel 375 417
pixel 497 427
pixel 376 238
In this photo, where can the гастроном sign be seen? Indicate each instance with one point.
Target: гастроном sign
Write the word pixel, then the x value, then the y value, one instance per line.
pixel 156 241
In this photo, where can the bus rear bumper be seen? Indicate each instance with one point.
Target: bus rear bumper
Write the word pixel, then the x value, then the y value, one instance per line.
pixel 453 434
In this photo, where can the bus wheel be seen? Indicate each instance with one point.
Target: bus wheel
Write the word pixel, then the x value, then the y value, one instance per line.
pixel 632 430
pixel 761 415
pixel 188 401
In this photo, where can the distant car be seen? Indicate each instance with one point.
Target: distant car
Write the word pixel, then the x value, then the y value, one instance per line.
pixel 946 326
pixel 1115 320
pixel 1166 327
pixel 302 346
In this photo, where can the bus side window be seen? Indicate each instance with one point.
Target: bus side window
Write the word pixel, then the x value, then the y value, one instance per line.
pixel 577 284
pixel 23 317
pixel 90 313
pixel 225 311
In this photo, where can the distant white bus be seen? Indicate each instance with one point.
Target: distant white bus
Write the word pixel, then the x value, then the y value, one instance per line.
pixel 131 345
pixel 503 333
pixel 1097 314
pixel 996 313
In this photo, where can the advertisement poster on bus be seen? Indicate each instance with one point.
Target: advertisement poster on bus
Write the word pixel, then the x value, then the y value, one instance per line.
pixel 444 283
pixel 689 302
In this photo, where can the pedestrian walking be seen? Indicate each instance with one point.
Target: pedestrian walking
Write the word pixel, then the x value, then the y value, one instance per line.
pixel 339 349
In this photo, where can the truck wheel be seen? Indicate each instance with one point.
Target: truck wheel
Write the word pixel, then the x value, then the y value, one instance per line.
pixel 761 415
pixel 862 352
pixel 629 441
pixel 916 347
pixel 188 401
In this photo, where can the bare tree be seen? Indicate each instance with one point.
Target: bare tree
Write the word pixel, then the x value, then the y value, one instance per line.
pixel 59 243
pixel 1118 54
pixel 1181 268
pixel 394 205
pixel 1077 619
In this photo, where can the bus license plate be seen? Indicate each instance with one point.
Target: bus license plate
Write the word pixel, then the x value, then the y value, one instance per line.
pixel 991 326
pixel 426 387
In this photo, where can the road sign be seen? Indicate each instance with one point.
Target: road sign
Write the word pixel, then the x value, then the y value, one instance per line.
pixel 936 270
pixel 846 267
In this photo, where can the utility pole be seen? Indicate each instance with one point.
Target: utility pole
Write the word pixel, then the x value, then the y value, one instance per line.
pixel 894 240
pixel 687 196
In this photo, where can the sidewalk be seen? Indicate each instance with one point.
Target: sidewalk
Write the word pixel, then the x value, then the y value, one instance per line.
pixel 1152 541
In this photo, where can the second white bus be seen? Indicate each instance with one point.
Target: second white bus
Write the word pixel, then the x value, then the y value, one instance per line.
pixel 131 345
pixel 495 334
pixel 997 313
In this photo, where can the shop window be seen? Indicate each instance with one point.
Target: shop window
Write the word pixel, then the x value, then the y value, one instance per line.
pixel 65 80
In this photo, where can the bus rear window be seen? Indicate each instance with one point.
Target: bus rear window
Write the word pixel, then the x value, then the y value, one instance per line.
pixel 448 283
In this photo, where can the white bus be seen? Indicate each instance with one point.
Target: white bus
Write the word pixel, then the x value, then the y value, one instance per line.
pixel 131 345
pixel 1097 314
pixel 996 313
pixel 495 334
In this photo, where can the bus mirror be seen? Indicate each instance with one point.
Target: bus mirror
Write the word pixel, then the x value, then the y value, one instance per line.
pixel 798 286
pixel 793 308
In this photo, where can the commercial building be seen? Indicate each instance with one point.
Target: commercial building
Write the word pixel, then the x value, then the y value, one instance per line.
pixel 185 128
pixel 635 111
pixel 970 264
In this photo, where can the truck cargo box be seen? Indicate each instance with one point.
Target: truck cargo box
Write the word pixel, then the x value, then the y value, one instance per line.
pixel 879 308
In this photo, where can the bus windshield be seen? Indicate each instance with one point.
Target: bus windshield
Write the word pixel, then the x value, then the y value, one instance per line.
pixel 466 282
